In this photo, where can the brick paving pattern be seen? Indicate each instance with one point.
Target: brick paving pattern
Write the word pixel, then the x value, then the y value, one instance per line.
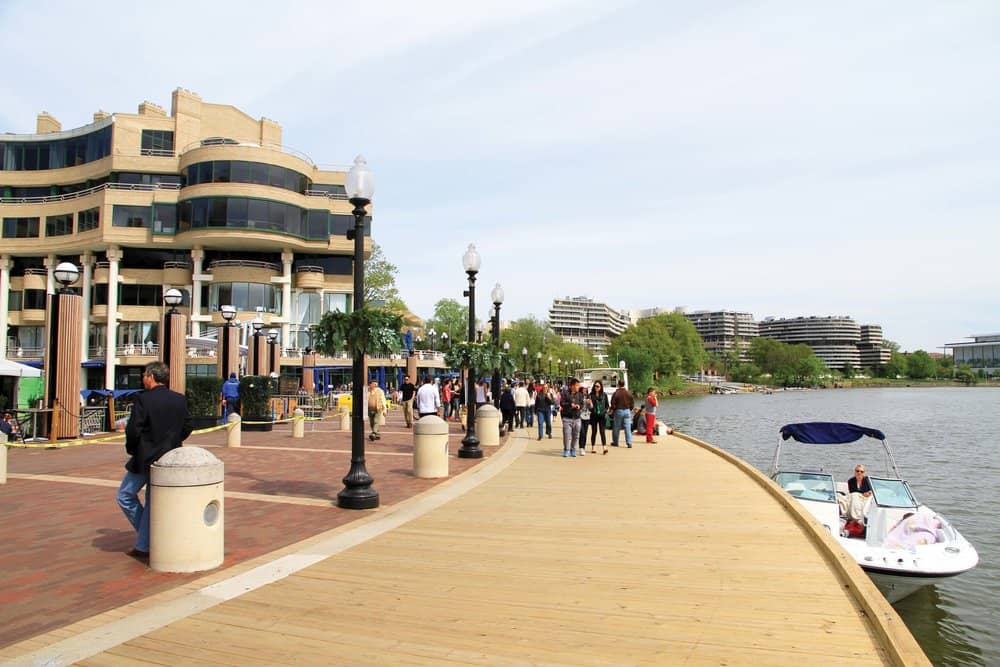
pixel 64 542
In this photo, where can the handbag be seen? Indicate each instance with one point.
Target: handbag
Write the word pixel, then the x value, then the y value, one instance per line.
pixel 585 414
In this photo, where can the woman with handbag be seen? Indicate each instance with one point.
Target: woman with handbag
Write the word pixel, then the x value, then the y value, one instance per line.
pixel 598 415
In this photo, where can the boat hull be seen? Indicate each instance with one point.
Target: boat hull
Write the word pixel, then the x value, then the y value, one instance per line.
pixel 895 586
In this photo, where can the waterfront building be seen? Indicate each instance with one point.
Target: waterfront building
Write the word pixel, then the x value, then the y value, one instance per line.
pixel 834 340
pixel 205 199
pixel 980 353
pixel 586 322
pixel 871 347
pixel 724 331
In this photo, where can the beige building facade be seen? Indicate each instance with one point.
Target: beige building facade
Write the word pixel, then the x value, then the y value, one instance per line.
pixel 205 199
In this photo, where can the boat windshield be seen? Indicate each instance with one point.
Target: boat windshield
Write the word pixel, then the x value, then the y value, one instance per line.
pixel 891 493
pixel 808 485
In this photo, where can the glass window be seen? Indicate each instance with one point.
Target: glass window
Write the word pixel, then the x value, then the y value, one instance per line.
pixel 334 302
pixel 59 225
pixel 164 218
pixel 99 295
pixel 240 171
pixel 891 493
pixel 217 213
pixel 259 173
pixel 241 296
pixel 237 215
pixel 33 155
pixel 130 216
pixel 257 212
pixel 205 172
pixel 89 219
pixel 34 299
pixel 157 142
pixel 14 300
pixel 20 228
pixel 308 308
pixel 221 171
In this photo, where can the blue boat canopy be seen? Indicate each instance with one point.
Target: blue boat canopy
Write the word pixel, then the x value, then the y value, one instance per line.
pixel 828 433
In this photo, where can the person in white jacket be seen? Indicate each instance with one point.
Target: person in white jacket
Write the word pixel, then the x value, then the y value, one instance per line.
pixel 428 400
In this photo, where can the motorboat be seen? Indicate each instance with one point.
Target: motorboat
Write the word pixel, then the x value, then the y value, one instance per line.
pixel 902 544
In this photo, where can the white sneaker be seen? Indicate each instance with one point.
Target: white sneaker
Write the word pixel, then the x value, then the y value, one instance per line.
pixel 582 452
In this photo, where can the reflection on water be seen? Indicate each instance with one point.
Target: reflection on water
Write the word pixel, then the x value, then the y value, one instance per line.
pixel 942 439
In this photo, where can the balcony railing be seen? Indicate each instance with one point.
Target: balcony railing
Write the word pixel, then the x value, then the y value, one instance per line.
pixel 226 141
pixel 328 195
pixel 89 191
pixel 243 263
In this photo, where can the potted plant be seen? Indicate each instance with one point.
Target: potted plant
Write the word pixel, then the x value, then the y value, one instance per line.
pixel 203 397
pixel 255 402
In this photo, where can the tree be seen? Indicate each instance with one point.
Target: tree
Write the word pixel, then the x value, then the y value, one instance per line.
pixel 848 371
pixel 380 282
pixel 920 365
pixel 896 366
pixel 669 343
pixel 788 365
pixel 450 317
pixel 966 375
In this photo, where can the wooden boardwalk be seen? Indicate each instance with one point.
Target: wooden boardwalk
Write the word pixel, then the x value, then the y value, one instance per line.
pixel 670 554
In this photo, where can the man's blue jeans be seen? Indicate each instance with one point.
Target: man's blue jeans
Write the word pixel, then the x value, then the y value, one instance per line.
pixel 135 512
pixel 544 422
pixel 622 419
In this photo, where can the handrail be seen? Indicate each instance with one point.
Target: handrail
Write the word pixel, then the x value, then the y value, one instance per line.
pixel 69 196
pixel 35 271
pixel 173 264
pixel 328 195
pixel 306 268
pixel 251 263
pixel 226 141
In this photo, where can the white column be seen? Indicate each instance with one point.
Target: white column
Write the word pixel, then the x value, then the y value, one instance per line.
pixel 197 257
pixel 286 298
pixel 6 264
pixel 51 262
pixel 114 257
pixel 87 262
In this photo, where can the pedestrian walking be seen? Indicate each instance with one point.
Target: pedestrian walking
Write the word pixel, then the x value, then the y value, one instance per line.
pixel 406 392
pixel 598 416
pixel 570 404
pixel 543 411
pixel 521 405
pixel 651 404
pixel 428 399
pixel 376 406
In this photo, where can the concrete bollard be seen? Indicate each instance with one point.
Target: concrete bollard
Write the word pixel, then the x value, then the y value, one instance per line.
pixel 488 425
pixel 186 511
pixel 298 423
pixel 234 436
pixel 430 447
pixel 345 418
pixel 3 458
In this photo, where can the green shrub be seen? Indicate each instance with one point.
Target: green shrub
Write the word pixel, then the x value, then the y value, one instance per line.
pixel 255 397
pixel 203 395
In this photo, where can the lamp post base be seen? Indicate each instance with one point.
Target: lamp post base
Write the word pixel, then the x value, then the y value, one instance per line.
pixel 470 448
pixel 358 493
pixel 358 499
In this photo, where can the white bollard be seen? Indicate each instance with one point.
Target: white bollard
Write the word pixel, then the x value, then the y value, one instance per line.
pixel 3 458
pixel 234 438
pixel 488 425
pixel 430 447
pixel 186 527
pixel 345 418
pixel 298 423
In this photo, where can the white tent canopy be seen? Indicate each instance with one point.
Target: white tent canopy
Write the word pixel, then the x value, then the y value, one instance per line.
pixel 12 368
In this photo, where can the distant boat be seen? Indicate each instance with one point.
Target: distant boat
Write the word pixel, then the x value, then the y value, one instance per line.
pixel 724 389
pixel 607 376
pixel 902 544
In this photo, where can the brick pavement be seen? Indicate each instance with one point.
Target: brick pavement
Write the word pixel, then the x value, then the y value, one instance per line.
pixel 64 539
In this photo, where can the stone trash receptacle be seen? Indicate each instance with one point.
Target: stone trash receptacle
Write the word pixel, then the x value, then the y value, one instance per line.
pixel 186 521
pixel 430 447
pixel 488 425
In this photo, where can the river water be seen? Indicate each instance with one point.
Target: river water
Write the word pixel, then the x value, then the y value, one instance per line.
pixel 945 443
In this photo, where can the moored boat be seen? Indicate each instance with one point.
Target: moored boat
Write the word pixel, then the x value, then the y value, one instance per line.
pixel 901 543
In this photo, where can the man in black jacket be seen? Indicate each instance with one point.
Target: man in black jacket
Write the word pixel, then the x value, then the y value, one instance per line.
pixel 159 422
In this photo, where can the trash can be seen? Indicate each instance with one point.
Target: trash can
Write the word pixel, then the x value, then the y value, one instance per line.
pixel 430 447
pixel 488 425
pixel 186 504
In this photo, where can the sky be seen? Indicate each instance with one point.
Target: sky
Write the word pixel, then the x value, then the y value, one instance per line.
pixel 781 158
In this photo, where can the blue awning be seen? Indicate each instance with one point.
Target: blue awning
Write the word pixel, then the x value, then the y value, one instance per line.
pixel 828 433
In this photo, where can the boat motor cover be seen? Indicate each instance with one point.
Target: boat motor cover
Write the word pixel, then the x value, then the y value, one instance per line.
pixel 828 433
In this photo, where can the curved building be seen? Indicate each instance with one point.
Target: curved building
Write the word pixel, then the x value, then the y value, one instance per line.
pixel 205 199
pixel 833 339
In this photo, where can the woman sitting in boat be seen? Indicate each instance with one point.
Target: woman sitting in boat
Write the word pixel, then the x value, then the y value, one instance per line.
pixel 859 490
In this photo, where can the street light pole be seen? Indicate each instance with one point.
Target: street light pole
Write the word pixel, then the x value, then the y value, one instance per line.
pixel 470 443
pixel 524 361
pixel 358 492
pixel 496 294
pixel 538 363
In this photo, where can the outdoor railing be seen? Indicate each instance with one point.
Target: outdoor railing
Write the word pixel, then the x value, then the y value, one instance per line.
pixel 89 191
pixel 328 195
pixel 226 141
pixel 239 263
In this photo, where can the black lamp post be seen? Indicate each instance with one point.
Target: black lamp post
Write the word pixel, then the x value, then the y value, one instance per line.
pixel 273 357
pixel 228 313
pixel 470 443
pixel 524 361
pixel 358 492
pixel 550 368
pixel 257 323
pixel 496 295
pixel 538 363
pixel 444 340
pixel 430 337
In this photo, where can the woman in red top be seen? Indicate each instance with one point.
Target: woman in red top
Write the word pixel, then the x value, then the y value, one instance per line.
pixel 651 404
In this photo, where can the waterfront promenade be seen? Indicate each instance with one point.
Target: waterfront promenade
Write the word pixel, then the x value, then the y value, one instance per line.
pixel 663 554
